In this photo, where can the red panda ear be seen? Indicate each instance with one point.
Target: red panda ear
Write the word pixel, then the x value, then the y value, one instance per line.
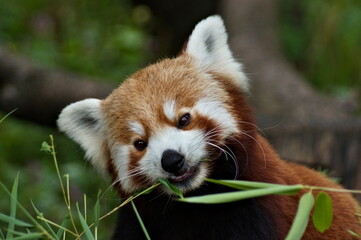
pixel 208 45
pixel 83 122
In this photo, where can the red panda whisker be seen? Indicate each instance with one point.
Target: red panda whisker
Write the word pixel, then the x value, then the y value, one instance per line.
pixel 220 143
pixel 254 125
pixel 259 144
pixel 232 156
pixel 218 147
pixel 110 187
pixel 245 151
pixel 213 130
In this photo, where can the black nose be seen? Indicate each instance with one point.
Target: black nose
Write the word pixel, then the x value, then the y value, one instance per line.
pixel 172 161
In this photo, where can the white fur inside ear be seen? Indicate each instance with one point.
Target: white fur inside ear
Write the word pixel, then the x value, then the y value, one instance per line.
pixel 208 45
pixel 83 122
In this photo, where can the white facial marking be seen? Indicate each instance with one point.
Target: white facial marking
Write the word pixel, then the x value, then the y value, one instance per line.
pixel 190 144
pixel 121 161
pixel 136 128
pixel 169 109
pixel 213 109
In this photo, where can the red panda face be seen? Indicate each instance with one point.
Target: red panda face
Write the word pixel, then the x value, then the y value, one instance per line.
pixel 166 122
pixel 169 121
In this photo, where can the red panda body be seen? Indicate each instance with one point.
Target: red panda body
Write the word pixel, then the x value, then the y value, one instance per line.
pixel 183 120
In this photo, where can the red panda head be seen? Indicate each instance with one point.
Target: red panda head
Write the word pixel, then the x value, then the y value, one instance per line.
pixel 170 120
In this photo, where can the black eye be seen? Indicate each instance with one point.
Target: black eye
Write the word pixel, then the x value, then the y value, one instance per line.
pixel 184 120
pixel 140 145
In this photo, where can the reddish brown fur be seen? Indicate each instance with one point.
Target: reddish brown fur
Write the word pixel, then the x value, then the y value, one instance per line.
pixel 259 161
pixel 186 89
pixel 264 165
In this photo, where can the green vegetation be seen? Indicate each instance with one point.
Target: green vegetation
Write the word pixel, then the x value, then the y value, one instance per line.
pixel 98 38
pixel 102 39
pixel 323 39
pixel 78 225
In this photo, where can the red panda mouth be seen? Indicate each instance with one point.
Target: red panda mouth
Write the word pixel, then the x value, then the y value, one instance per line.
pixel 187 175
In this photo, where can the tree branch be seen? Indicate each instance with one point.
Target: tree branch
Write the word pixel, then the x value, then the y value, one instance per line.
pixel 40 93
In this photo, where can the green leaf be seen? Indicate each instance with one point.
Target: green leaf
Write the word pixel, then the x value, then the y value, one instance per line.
pixel 171 187
pixel 45 147
pixel 46 224
pixel 97 210
pixel 13 203
pixel 2 234
pixel 28 236
pixel 140 221
pixel 22 208
pixel 85 226
pixel 17 233
pixel 64 224
pixel 302 217
pixel 323 213
pixel 246 185
pixel 15 221
pixel 239 195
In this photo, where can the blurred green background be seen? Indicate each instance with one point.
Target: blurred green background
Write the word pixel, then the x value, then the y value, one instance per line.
pixel 323 39
pixel 109 40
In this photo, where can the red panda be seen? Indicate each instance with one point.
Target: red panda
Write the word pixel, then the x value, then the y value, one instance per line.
pixel 186 119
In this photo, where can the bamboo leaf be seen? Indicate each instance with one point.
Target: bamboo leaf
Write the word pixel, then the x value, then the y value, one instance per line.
pixel 323 214
pixel 21 233
pixel 13 203
pixel 85 226
pixel 140 221
pixel 28 236
pixel 46 224
pixel 239 195
pixel 246 185
pixel 302 217
pixel 27 214
pixel 97 210
pixel 171 187
pixel 1 234
pixel 17 222
pixel 64 224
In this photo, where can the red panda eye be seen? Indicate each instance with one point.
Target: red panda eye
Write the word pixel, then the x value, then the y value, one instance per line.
pixel 140 145
pixel 184 120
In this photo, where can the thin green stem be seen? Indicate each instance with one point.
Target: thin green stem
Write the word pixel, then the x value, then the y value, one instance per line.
pixel 140 221
pixel 57 225
pixel 66 195
pixel 7 115
pixel 122 204
pixel 333 189
pixel 85 207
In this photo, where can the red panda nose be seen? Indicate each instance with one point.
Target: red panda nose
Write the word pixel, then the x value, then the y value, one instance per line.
pixel 172 161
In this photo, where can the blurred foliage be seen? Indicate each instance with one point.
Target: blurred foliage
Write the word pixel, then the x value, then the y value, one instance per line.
pixel 20 144
pixel 98 38
pixel 323 39
pixel 104 39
